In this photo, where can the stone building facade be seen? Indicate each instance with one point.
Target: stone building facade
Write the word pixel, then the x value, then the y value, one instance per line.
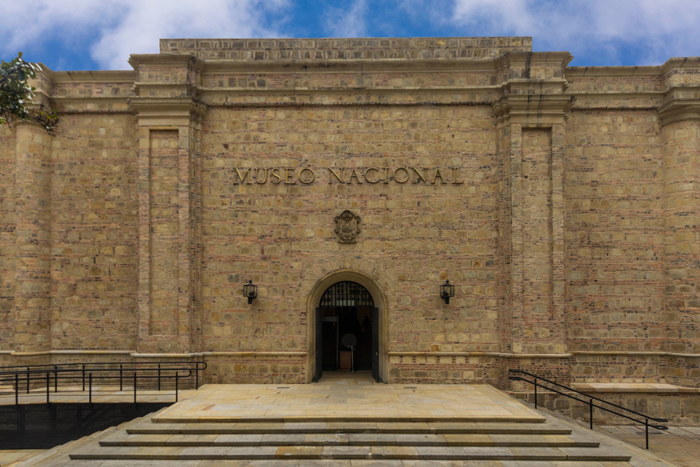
pixel 562 202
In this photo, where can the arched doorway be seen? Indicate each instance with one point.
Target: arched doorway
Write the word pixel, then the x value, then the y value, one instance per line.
pixel 347 313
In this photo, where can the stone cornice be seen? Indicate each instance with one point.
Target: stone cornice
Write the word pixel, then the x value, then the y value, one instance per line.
pixel 136 60
pixel 600 71
pixel 322 49
pixel 681 103
pixel 532 72
pixel 348 66
pixel 90 77
pixel 178 111
pixel 556 58
pixel 43 89
pixel 650 70
pixel 679 63
pixel 526 86
pixel 679 111
pixel 542 109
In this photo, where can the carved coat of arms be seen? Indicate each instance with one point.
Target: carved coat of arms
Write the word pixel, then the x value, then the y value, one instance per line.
pixel 347 227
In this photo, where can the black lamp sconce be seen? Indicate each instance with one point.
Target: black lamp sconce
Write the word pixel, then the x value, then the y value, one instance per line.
pixel 250 291
pixel 447 291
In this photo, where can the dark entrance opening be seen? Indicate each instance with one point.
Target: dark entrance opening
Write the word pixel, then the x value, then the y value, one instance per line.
pixel 347 310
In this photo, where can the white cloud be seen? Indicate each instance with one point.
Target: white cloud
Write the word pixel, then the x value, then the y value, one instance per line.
pixel 347 23
pixel 660 29
pixel 124 27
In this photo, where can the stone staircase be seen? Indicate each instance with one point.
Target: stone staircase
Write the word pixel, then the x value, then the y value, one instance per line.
pixel 339 441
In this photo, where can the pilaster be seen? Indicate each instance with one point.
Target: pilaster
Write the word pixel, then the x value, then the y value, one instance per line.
pixel 32 332
pixel 169 118
pixel 530 131
pixel 32 300
pixel 679 117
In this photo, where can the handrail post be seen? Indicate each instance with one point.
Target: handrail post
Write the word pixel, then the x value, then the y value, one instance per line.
pixel 591 413
pixel 83 377
pixel 16 388
pixel 27 380
pixel 535 392
pixel 55 379
pixel 159 376
pixel 177 376
pixel 134 388
pixel 121 377
pixel 196 376
pixel 48 386
pixel 90 396
pixel 646 426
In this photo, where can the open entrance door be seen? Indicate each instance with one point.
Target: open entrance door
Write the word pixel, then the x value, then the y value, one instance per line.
pixel 319 346
pixel 375 344
pixel 347 330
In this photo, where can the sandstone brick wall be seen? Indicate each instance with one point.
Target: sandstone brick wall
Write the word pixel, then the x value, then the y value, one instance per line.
pixel 281 236
pixel 446 369
pixel 533 327
pixel 164 318
pixel 614 232
pixel 7 238
pixel 93 233
pixel 270 369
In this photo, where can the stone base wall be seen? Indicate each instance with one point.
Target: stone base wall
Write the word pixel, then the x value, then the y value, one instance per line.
pixel 678 409
pixel 427 369
pixel 223 369
pixel 445 370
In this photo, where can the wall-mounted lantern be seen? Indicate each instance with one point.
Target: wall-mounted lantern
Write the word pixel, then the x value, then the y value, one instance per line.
pixel 251 291
pixel 447 291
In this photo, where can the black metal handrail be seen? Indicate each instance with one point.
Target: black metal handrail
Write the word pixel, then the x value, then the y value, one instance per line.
pixel 87 372
pixel 590 402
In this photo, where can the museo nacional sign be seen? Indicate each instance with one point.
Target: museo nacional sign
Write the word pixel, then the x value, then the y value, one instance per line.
pixel 348 176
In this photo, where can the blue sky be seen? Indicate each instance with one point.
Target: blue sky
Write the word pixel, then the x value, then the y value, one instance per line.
pixel 100 34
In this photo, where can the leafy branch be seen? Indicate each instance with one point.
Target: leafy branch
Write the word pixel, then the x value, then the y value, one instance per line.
pixel 16 94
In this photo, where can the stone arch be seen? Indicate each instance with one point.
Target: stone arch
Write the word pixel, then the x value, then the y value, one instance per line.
pixel 314 299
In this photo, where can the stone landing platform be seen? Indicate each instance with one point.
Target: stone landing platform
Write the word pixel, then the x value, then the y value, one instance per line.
pixel 348 421
pixel 347 397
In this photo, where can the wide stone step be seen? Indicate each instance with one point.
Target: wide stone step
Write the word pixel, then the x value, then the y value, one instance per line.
pixel 347 463
pixel 349 427
pixel 347 439
pixel 309 418
pixel 350 452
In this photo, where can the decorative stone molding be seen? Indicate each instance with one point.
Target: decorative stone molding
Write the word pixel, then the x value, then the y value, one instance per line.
pixel 537 109
pixel 679 109
pixel 477 354
pixel 347 227
pixel 166 111
pixel 636 354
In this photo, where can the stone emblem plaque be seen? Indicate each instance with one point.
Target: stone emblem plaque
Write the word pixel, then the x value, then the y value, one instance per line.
pixel 347 227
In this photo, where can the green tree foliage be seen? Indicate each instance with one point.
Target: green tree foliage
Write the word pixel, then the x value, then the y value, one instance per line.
pixel 16 94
